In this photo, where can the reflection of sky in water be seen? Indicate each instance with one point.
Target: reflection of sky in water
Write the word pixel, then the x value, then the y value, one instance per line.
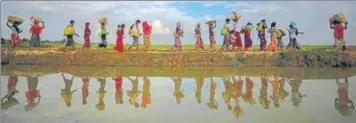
pixel 317 107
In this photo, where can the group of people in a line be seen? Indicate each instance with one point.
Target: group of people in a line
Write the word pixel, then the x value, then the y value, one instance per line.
pixel 231 36
pixel 234 87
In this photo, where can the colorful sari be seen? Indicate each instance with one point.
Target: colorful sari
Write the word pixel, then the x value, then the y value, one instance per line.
pixel 119 40
pixel 146 35
pixel 199 42
pixel 87 33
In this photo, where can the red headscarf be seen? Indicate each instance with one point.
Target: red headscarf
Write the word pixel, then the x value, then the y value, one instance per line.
pixel 87 25
pixel 146 28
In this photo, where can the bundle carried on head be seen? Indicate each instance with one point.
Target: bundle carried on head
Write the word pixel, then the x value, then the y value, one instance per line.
pixel 235 16
pixel 15 19
pixel 210 22
pixel 103 20
pixel 36 19
pixel 338 17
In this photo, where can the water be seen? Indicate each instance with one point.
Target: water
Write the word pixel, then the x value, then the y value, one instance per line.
pixel 166 101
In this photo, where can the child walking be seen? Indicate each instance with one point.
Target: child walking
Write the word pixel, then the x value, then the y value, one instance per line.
pixel 293 33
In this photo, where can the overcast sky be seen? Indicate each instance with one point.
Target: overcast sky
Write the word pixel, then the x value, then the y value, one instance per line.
pixel 311 17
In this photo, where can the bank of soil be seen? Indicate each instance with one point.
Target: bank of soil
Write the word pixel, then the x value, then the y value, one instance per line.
pixel 315 59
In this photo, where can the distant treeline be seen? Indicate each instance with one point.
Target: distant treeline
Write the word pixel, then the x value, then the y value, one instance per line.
pixel 26 40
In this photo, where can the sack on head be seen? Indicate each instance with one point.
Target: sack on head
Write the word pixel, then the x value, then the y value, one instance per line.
pixel 13 19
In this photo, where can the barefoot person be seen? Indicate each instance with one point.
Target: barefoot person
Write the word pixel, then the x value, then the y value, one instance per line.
pixel 293 33
pixel 199 41
pixel 237 40
pixel 178 33
pixel 103 34
pixel 32 93
pixel 120 36
pixel 339 44
pixel 87 33
pixel 274 41
pixel 247 32
pixel 67 93
pixel 212 25
pixel 15 31
pixel 225 32
pixel 11 91
pixel 69 32
pixel 135 33
pixel 118 88
pixel 146 35
pixel 261 29
pixel 35 32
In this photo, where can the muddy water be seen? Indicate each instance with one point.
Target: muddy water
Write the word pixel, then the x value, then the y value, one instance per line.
pixel 64 99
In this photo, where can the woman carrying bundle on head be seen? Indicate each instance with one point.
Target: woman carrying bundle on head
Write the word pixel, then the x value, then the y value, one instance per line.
pixel 178 33
pixel 212 25
pixel 35 32
pixel 103 32
pixel 237 42
pixel 119 40
pixel 15 30
pixel 199 41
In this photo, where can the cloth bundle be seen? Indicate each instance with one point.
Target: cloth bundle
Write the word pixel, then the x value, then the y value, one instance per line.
pixel 15 19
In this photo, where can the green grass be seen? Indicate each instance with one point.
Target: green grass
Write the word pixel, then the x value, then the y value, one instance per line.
pixel 110 46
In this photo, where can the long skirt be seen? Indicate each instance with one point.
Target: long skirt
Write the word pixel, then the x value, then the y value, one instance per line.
pixel 119 44
pixel 238 41
pixel 274 42
pixel 199 43
pixel 177 43
pixel 86 42
pixel 147 41
pixel 263 41
pixel 339 44
pixel 212 41
pixel 248 42
pixel 15 40
pixel 35 41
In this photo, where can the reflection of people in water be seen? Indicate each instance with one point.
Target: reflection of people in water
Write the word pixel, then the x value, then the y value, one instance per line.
pixel 11 91
pixel 178 93
pixel 199 83
pixel 275 92
pixel 32 93
pixel 236 94
pixel 248 96
pixel 101 105
pixel 67 93
pixel 282 91
pixel 296 95
pixel 85 90
pixel 133 93
pixel 343 104
pixel 237 88
pixel 237 111
pixel 212 102
pixel 146 94
pixel 263 93
pixel 118 88
pixel 228 92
